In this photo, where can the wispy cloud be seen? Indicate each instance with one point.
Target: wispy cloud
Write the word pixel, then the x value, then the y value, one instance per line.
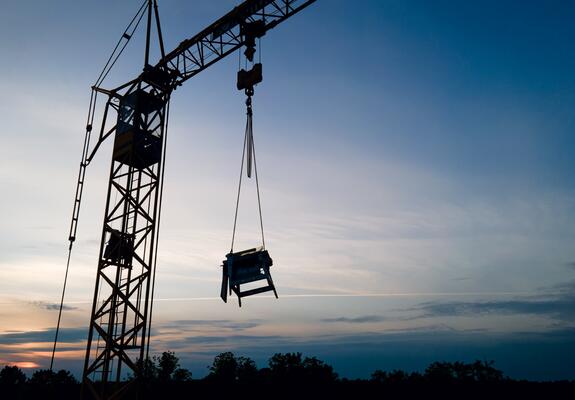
pixel 356 320
pixel 33 349
pixel 65 335
pixel 52 306
pixel 203 323
pixel 359 294
pixel 560 306
pixel 20 364
pixel 236 340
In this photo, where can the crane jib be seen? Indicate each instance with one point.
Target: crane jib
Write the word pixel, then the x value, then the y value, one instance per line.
pixel 236 16
pixel 224 36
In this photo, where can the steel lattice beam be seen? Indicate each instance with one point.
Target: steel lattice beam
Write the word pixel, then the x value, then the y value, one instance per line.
pixel 119 322
pixel 223 37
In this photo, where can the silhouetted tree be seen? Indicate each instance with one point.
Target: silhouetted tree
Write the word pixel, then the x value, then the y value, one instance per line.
pixel 415 377
pixel 479 371
pixel 484 371
pixel 265 375
pixel 182 375
pixel 64 377
pixel 396 377
pixel 47 377
pixel 440 372
pixel 291 367
pixel 12 375
pixel 229 368
pixel 224 368
pixel 246 370
pixel 167 364
pixel 287 366
pixel 43 377
pixel 149 370
pixel 163 368
pixel 318 371
pixel 379 376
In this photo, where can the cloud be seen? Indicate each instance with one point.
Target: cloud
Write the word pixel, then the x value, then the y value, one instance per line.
pixel 276 343
pixel 19 364
pixel 565 288
pixel 219 323
pixel 357 320
pixel 559 306
pixel 65 335
pixel 53 306
pixel 237 340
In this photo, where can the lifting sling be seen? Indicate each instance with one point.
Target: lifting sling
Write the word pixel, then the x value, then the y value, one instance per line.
pixel 254 264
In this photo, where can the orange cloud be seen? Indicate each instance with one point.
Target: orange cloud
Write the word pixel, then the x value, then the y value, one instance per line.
pixel 24 364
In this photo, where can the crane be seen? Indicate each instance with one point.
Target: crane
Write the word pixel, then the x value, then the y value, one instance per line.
pixel 136 115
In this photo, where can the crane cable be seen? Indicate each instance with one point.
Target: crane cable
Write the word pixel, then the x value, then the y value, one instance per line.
pixel 157 239
pixel 248 148
pixel 126 35
pixel 75 214
pixel 112 59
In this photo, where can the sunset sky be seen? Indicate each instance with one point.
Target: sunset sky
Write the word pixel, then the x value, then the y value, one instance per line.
pixel 417 176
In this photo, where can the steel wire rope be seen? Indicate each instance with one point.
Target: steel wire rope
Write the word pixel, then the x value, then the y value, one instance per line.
pixel 86 145
pixel 157 238
pixel 60 310
pixel 239 188
pixel 254 155
pixel 248 140
pixel 139 295
pixel 258 191
pixel 127 36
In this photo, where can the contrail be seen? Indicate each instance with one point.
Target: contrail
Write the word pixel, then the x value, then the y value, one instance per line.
pixel 335 295
pixel 311 295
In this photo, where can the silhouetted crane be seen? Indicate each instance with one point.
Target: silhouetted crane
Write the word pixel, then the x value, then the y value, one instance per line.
pixel 136 116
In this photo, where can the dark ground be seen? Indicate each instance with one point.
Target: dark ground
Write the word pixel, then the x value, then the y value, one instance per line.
pixel 288 375
pixel 343 389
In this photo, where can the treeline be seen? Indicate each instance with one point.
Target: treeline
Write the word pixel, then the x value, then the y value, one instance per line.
pixel 285 373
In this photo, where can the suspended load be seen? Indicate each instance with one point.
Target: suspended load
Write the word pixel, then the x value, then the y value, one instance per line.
pixel 245 267
pixel 252 265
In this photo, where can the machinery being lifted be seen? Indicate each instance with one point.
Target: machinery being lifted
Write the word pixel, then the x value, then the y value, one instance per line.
pixel 252 265
pixel 120 321
pixel 245 267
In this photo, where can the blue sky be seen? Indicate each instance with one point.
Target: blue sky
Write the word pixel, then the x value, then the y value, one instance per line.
pixel 417 183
